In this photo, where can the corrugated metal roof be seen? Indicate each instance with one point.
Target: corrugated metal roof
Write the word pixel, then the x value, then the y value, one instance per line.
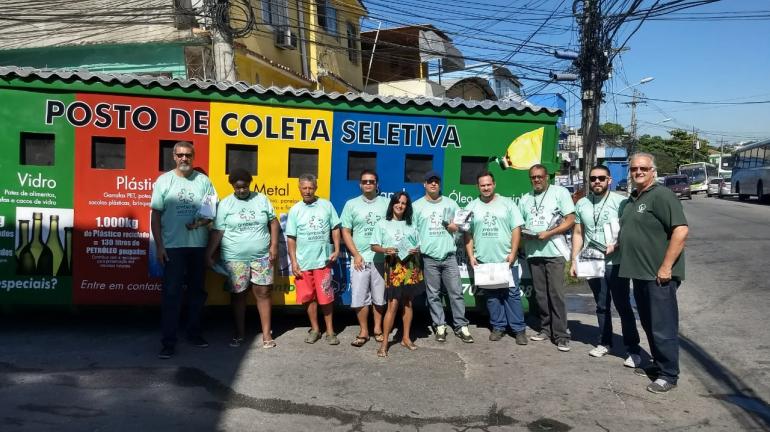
pixel 245 88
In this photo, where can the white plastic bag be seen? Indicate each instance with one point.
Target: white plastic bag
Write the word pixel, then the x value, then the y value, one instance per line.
pixel 493 275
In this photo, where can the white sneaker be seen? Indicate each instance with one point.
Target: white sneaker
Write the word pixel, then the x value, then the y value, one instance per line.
pixel 599 351
pixel 633 361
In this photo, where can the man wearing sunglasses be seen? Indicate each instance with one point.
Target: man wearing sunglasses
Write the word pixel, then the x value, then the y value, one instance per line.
pixel 180 237
pixel 367 285
pixel 548 214
pixel 653 230
pixel 595 213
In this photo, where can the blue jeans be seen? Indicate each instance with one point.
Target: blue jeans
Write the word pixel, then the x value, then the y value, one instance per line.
pixel 659 314
pixel 186 266
pixel 446 272
pixel 504 306
pixel 614 289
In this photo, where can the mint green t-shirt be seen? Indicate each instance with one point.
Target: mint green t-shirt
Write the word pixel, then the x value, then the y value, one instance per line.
pixel 393 233
pixel 311 225
pixel 246 226
pixel 179 199
pixel 491 228
pixel 538 212
pixel 435 241
pixel 593 213
pixel 361 216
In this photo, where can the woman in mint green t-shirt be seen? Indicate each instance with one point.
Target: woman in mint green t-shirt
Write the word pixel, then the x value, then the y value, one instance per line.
pixel 247 230
pixel 396 238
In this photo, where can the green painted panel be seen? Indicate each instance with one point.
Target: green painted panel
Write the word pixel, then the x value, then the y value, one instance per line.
pixel 35 267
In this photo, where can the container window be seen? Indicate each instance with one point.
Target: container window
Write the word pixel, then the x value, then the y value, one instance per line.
pixel 37 149
pixel 303 161
pixel 166 155
pixel 108 153
pixel 241 156
pixel 359 161
pixel 470 167
pixel 415 167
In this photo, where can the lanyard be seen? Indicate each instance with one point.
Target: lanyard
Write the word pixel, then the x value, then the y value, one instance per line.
pixel 599 214
pixel 534 201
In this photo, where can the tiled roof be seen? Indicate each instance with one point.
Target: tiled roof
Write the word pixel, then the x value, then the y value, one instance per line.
pixel 10 72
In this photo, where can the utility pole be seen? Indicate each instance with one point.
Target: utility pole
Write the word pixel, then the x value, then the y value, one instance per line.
pixel 594 70
pixel 631 147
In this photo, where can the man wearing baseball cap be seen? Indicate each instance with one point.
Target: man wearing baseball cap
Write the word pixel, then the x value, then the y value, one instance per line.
pixel 433 215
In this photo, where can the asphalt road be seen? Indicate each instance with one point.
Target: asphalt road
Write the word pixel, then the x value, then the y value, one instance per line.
pixel 97 369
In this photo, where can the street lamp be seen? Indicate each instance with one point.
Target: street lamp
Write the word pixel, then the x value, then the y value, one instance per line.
pixel 641 81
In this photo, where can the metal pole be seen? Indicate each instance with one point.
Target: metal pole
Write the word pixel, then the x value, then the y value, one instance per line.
pixel 371 57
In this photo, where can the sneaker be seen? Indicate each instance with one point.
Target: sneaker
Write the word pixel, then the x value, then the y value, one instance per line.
pixel 464 334
pixel 312 336
pixel 441 333
pixel 236 342
pixel 660 386
pixel 599 351
pixel 166 353
pixel 650 371
pixel 496 335
pixel 633 361
pixel 331 339
pixel 563 345
pixel 540 336
pixel 521 337
pixel 198 341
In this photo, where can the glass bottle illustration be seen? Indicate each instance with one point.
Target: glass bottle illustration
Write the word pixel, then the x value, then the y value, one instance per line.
pixel 36 257
pixel 54 244
pixel 23 242
pixel 65 269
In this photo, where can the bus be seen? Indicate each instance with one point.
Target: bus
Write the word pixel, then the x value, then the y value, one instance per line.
pixel 700 174
pixel 82 150
pixel 751 171
pixel 724 163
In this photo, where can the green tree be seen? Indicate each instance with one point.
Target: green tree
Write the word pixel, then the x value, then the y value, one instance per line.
pixel 612 129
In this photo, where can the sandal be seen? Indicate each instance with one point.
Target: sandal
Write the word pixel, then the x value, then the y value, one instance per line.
pixel 312 336
pixel 410 346
pixel 382 353
pixel 267 344
pixel 360 341
pixel 378 337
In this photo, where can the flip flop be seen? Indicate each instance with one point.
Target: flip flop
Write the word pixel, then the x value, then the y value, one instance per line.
pixel 268 344
pixel 360 341
pixel 382 353
pixel 410 347
pixel 378 337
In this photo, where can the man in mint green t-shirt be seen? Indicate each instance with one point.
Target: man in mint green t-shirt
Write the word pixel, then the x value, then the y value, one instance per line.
pixel 367 284
pixel 310 224
pixel 434 215
pixel 180 235
pixel 548 214
pixel 494 238
pixel 596 213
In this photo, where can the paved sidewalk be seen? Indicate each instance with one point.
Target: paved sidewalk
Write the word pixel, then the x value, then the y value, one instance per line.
pixel 102 373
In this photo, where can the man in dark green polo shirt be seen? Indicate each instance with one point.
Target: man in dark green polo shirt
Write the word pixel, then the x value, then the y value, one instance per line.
pixel 653 230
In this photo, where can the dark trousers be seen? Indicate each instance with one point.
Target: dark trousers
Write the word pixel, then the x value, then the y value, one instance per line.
pixel 548 281
pixel 659 314
pixel 186 266
pixel 614 289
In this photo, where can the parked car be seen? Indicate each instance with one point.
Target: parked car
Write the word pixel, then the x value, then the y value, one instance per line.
pixel 725 188
pixel 714 186
pixel 622 185
pixel 679 184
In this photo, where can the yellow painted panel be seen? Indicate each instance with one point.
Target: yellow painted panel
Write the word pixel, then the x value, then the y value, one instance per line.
pixel 290 128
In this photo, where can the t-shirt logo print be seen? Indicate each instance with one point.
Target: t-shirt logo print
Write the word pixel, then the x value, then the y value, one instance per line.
pixel 372 219
pixel 435 219
pixel 315 223
pixel 642 207
pixel 247 214
pixel 490 220
pixel 185 197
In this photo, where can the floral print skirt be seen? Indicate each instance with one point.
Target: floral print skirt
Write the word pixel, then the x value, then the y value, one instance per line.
pixel 403 278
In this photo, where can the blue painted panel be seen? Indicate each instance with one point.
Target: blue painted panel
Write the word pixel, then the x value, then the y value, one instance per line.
pixel 348 136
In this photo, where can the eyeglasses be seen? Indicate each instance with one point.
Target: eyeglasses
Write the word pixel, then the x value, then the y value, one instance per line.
pixel 433 180
pixel 640 168
pixel 594 178
pixel 536 177
pixel 184 155
pixel 368 182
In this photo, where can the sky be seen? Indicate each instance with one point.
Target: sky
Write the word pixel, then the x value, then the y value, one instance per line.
pixel 704 60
